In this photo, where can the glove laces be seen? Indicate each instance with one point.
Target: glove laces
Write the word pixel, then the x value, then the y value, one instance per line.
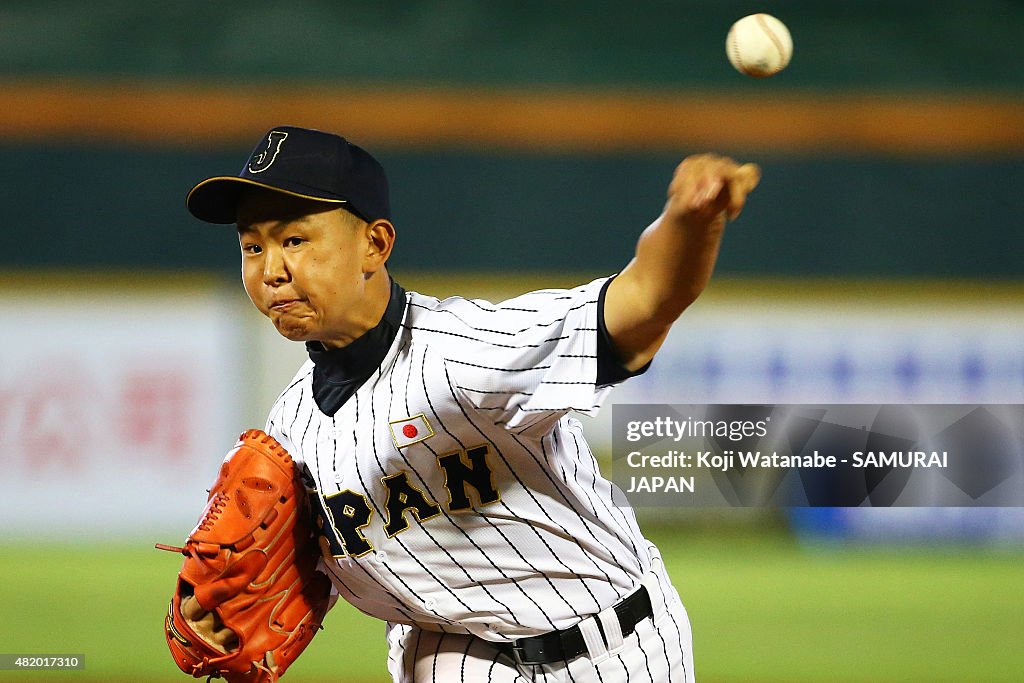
pixel 213 512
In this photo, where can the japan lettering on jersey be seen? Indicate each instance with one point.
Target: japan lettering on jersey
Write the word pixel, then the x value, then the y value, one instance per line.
pixel 455 492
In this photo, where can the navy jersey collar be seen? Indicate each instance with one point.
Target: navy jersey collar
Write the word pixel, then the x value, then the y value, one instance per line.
pixel 338 373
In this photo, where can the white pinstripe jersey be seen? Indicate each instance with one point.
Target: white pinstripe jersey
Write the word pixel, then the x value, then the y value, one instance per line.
pixel 458 493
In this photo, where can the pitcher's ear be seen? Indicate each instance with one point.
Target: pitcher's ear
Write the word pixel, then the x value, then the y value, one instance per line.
pixel 380 240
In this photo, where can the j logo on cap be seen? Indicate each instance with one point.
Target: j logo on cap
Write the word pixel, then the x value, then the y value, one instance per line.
pixel 261 162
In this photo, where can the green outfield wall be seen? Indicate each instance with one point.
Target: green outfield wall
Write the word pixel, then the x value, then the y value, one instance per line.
pixel 76 206
pixel 935 44
pixel 524 135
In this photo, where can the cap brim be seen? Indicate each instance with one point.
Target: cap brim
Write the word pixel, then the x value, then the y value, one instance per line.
pixel 215 200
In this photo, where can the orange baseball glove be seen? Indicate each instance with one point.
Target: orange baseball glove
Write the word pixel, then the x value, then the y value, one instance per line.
pixel 249 598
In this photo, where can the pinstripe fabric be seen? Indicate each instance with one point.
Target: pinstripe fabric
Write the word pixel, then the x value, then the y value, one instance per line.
pixel 658 651
pixel 494 521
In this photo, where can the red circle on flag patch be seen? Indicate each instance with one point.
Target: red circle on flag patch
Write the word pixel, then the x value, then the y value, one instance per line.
pixel 410 431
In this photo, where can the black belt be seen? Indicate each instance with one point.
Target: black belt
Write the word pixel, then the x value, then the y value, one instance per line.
pixel 561 646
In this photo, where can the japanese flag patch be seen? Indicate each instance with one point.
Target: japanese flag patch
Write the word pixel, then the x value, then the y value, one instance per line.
pixel 410 430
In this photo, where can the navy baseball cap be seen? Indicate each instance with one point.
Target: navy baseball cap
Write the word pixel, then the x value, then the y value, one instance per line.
pixel 303 163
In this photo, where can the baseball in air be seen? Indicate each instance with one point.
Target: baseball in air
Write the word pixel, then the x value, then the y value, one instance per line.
pixel 759 45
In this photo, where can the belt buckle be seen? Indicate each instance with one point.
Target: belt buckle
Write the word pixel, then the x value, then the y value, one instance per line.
pixel 517 654
pixel 525 655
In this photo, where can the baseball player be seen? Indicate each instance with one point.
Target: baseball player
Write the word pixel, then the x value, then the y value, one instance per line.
pixel 458 500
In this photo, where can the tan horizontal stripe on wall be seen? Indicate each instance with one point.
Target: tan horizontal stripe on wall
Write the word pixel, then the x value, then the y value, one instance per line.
pixel 559 119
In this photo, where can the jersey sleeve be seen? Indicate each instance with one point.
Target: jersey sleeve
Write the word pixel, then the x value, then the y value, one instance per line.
pixel 610 369
pixel 527 359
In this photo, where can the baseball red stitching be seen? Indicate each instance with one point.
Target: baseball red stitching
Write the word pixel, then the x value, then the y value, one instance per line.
pixel 775 41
